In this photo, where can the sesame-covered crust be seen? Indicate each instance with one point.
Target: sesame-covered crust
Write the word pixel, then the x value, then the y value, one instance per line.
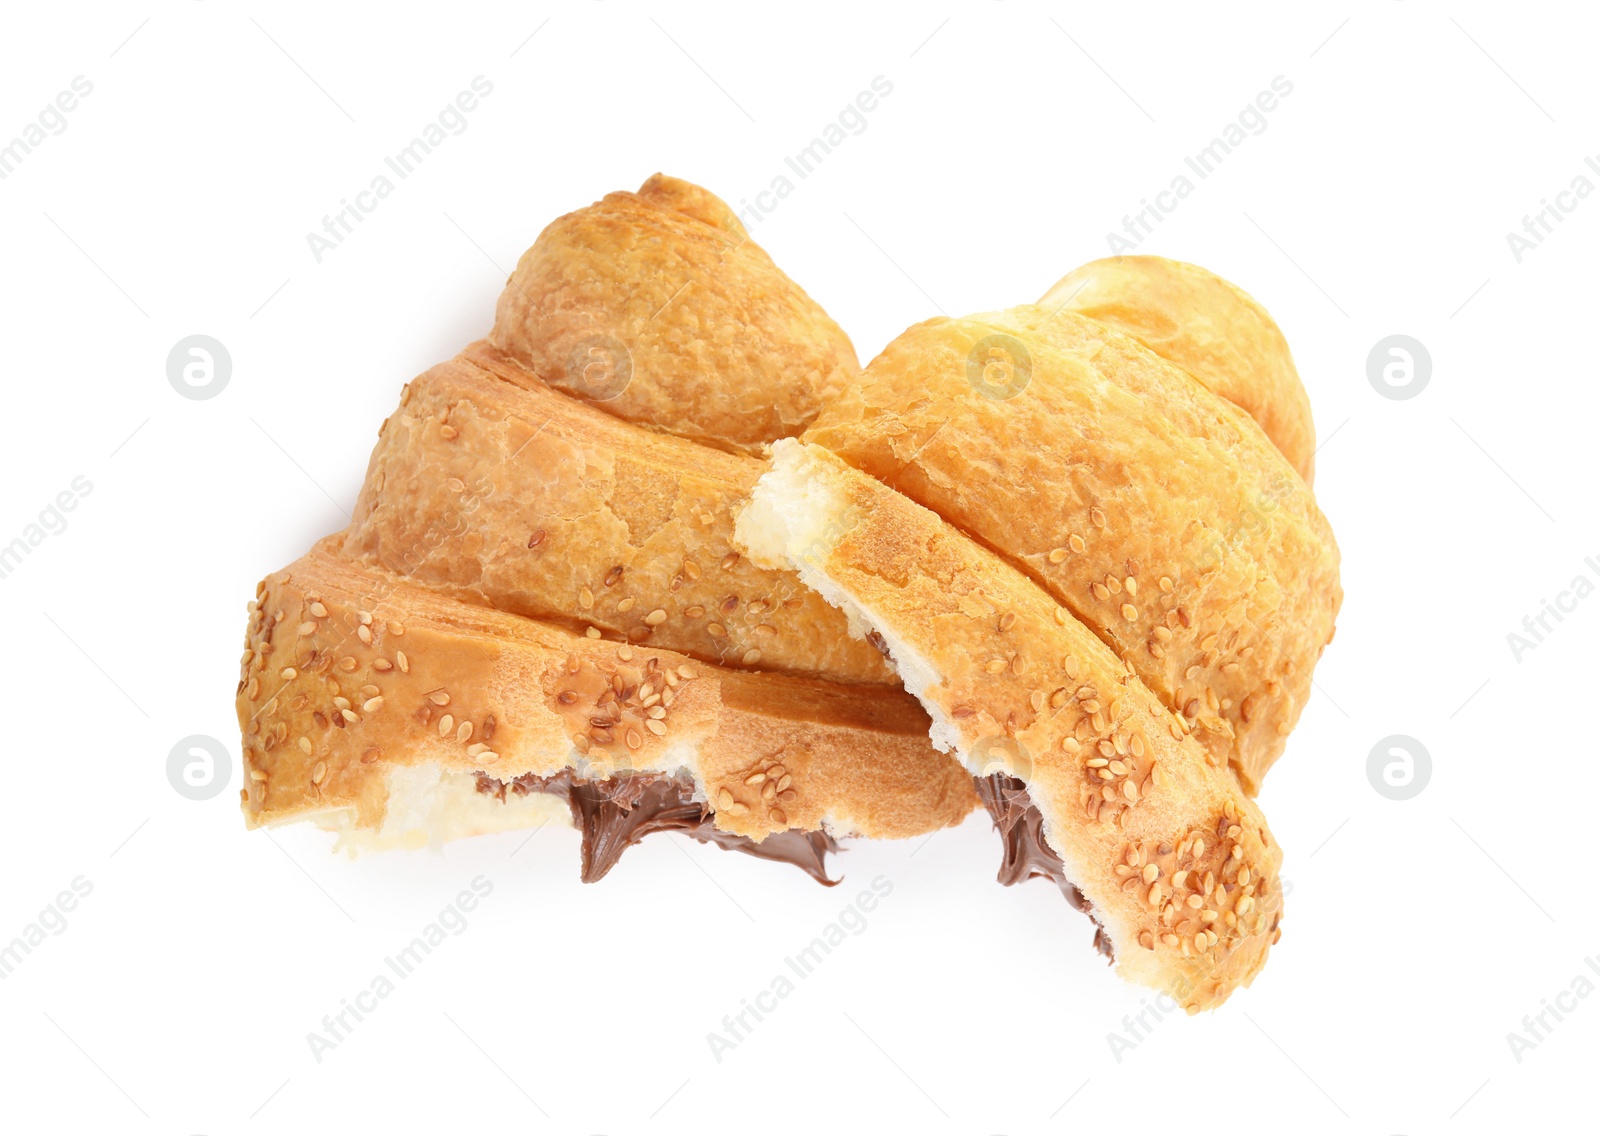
pixel 1155 511
pixel 1173 856
pixel 1213 329
pixel 349 671
pixel 664 288
pixel 490 486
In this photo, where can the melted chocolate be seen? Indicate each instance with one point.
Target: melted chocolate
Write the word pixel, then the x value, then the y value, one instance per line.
pixel 615 814
pixel 1026 854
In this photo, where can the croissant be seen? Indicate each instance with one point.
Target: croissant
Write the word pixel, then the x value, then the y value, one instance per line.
pixel 1103 579
pixel 537 609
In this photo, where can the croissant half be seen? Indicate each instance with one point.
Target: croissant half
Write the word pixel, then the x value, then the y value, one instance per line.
pixel 537 608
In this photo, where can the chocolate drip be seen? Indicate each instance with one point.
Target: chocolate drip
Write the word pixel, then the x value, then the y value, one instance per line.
pixel 1026 854
pixel 615 814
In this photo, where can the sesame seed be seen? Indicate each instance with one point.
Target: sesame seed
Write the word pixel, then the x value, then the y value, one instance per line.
pixel 1070 745
pixel 305 744
pixel 1132 585
pixel 1057 555
pixel 1101 592
pixel 372 705
pixel 1008 620
pixel 1098 518
pixel 778 816
pixel 287 673
pixel 475 749
pixel 995 666
pixel 730 560
pixel 691 569
pixel 348 663
pixel 1151 872
pixel 1129 612
pixel 445 725
pixel 633 739
pixel 751 657
pixel 364 633
pixel 1075 542
pixel 440 698
pixel 654 726
pixel 685 672
pixel 716 631
pixel 1130 791
pixel 318 773
pixel 585 598
pixel 566 698
pixel 625 604
pixel 319 611
pixel 309 627
pixel 1147 940
pixel 1070 665
pixel 536 539
pixel 694 612
pixel 1036 700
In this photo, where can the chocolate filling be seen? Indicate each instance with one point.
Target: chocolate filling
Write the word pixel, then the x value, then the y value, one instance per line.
pixel 615 814
pixel 1026 853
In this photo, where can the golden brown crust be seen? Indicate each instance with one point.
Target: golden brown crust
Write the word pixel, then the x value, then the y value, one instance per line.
pixel 350 671
pixel 1213 329
pixel 500 491
pixel 663 294
pixel 1176 860
pixel 1157 512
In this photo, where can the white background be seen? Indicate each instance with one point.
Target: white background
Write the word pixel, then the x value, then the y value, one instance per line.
pixel 1377 201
